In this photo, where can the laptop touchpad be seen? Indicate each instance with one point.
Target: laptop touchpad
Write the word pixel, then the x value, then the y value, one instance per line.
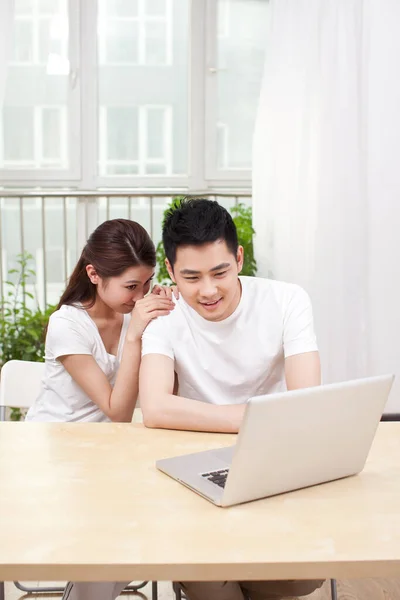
pixel 224 454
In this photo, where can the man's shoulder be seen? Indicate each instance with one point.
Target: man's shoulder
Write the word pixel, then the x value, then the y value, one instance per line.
pixel 167 323
pixel 269 290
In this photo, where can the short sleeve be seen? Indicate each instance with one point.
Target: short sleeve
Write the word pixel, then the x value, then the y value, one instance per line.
pixel 298 324
pixel 156 339
pixel 66 336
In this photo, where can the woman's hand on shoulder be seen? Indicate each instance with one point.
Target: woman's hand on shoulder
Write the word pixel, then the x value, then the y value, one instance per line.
pixel 148 308
pixel 166 291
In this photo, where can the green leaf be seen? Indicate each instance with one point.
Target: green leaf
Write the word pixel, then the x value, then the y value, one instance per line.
pixel 22 329
pixel 16 414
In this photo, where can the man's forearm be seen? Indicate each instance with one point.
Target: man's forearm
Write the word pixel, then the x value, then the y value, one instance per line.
pixel 175 412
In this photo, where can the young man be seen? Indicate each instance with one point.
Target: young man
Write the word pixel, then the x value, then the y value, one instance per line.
pixel 228 338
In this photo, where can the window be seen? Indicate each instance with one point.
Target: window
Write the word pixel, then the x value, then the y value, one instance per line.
pixel 135 140
pixel 18 136
pixel 39 123
pixel 135 32
pixel 34 137
pixel 143 98
pixel 159 93
pixel 234 85
pixel 40 31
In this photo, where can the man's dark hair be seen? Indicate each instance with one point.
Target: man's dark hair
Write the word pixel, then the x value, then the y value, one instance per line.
pixel 194 222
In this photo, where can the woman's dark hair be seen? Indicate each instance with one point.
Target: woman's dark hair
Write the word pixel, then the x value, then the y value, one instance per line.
pixel 194 222
pixel 113 247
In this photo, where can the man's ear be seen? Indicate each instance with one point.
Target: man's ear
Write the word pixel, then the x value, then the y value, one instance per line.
pixel 169 269
pixel 92 274
pixel 240 258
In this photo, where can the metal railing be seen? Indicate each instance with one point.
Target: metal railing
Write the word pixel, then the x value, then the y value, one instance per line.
pixel 53 226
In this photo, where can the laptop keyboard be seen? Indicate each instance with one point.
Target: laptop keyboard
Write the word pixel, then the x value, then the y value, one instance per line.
pixel 217 477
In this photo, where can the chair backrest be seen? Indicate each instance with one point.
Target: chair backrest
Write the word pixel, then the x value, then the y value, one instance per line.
pixel 20 383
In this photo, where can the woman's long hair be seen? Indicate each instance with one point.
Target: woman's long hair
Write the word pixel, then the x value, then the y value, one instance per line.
pixel 116 245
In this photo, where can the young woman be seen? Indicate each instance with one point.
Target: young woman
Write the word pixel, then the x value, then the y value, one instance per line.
pixel 93 340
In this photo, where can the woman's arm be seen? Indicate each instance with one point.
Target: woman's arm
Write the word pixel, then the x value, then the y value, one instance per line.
pixel 118 402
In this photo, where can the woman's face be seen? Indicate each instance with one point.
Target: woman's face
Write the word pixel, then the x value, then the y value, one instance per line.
pixel 120 293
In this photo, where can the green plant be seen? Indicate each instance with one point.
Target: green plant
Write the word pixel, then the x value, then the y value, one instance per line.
pixel 162 274
pixel 22 329
pixel 242 217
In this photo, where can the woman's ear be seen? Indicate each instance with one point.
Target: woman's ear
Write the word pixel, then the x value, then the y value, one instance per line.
pixel 169 269
pixel 92 274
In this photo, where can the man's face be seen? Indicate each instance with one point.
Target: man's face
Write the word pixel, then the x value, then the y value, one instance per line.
pixel 207 278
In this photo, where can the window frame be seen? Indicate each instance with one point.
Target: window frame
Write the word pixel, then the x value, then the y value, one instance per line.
pixel 203 172
pixel 72 175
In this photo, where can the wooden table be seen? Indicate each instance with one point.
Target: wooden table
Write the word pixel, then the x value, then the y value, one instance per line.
pixel 85 502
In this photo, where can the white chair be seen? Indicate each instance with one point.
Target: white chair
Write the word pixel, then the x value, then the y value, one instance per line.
pixel 20 384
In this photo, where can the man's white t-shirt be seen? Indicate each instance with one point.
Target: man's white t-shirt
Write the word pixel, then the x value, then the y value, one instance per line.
pixel 229 361
pixel 72 331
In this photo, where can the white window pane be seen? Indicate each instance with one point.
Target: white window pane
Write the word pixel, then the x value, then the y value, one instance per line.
pixel 121 38
pixel 155 7
pixel 23 7
pixel 241 51
pixel 51 7
pixel 53 34
pixel 119 141
pixel 44 40
pixel 18 134
pixel 223 145
pixel 128 169
pixel 52 135
pixel 223 18
pixel 156 43
pixel 118 8
pixel 23 41
pixel 155 133
pixel 37 101
pixel 155 169
pixel 146 40
pixel 122 128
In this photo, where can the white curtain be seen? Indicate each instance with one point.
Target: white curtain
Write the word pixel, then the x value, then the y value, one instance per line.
pixel 6 29
pixel 326 175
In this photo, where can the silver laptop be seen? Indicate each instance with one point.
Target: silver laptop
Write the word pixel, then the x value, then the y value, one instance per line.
pixel 289 441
